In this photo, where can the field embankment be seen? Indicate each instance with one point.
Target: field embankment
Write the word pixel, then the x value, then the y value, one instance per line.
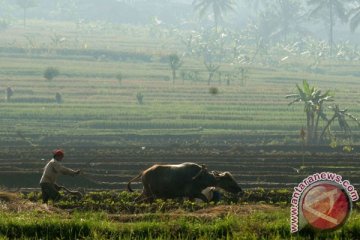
pixel 23 219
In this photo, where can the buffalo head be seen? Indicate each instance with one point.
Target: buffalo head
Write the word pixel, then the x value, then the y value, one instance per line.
pixel 226 181
pixel 204 178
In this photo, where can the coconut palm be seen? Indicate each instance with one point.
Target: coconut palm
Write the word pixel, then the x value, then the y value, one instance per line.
pixel 334 8
pixel 279 19
pixel 313 99
pixel 257 5
pixel 355 17
pixel 287 16
pixel 25 5
pixel 217 7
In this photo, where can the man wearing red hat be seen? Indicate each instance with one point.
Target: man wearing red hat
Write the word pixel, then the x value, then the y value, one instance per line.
pixel 52 170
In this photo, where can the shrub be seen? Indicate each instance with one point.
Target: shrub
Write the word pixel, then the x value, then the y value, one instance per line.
pixel 140 97
pixel 119 77
pixel 50 73
pixel 213 90
pixel 58 98
pixel 9 93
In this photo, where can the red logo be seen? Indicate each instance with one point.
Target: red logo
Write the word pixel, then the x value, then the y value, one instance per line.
pixel 326 206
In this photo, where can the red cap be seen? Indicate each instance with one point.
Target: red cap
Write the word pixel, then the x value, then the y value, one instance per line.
pixel 58 152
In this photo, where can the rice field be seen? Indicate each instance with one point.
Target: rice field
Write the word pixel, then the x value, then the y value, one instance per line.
pixel 95 103
pixel 242 125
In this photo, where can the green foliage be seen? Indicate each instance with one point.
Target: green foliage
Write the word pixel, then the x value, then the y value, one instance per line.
pixel 212 69
pixel 58 98
pixel 175 63
pixel 348 148
pixel 272 196
pixel 313 100
pixel 9 93
pixel 169 219
pixel 217 7
pixel 335 8
pixel 213 90
pixel 119 77
pixel 50 73
pixel 123 202
pixel 140 98
pixel 254 110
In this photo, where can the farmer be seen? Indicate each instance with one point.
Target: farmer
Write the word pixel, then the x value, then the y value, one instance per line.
pixel 53 169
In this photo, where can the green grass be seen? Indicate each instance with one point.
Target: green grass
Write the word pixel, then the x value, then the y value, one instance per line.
pixel 259 225
pixel 170 219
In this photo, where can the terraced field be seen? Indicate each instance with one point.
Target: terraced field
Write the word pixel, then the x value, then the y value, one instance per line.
pixel 246 128
pixel 112 168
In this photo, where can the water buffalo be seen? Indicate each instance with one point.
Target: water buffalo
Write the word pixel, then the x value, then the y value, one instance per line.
pixel 181 180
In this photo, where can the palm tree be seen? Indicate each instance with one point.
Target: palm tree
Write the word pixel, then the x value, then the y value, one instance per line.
pixel 257 4
pixel 341 116
pixel 25 4
pixel 313 106
pixel 355 17
pixel 287 17
pixel 334 8
pixel 217 7
pixel 175 63
pixel 279 19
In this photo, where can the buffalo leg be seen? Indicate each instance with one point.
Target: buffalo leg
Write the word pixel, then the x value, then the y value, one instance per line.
pixel 200 196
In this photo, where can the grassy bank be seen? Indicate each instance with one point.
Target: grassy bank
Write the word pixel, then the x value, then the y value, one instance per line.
pixel 24 219
pixel 260 224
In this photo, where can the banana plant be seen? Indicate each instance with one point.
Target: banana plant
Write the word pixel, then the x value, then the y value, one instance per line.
pixel 341 116
pixel 313 100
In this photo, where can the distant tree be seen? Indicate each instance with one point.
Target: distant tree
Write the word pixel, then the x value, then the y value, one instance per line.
pixel 211 68
pixel 284 17
pixel 334 8
pixel 355 17
pixel 25 5
pixel 119 77
pixel 243 76
pixel 58 98
pixel 9 92
pixel 140 98
pixel 50 73
pixel 217 7
pixel 175 63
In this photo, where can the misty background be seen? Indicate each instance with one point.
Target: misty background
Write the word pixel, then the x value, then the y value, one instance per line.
pixel 271 19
